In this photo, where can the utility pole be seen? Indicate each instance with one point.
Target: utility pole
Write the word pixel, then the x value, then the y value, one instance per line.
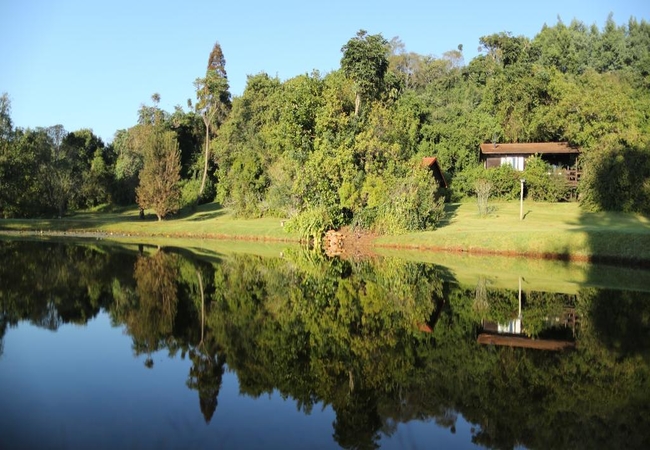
pixel 521 200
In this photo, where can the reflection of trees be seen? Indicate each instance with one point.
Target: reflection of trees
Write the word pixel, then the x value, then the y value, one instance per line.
pixel 205 377
pixel 3 330
pixel 208 364
pixel 50 283
pixel 347 334
pixel 324 330
pixel 151 322
pixel 619 320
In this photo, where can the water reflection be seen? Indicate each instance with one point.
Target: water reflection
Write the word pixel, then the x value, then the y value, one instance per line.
pixel 382 342
pixel 554 329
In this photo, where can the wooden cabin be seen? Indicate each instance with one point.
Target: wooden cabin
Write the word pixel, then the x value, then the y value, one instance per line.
pixel 432 164
pixel 560 155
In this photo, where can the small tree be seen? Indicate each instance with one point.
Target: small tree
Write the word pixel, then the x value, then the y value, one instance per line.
pixel 483 188
pixel 159 187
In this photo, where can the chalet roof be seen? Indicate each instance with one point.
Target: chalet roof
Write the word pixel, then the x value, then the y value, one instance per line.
pixel 528 148
pixel 432 163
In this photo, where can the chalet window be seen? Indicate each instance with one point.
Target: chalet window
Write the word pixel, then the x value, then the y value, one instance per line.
pixel 517 162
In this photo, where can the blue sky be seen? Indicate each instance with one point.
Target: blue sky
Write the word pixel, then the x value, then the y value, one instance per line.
pixel 91 64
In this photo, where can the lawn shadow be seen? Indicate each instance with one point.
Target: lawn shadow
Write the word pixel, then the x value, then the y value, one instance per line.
pixel 203 212
pixel 206 211
pixel 451 211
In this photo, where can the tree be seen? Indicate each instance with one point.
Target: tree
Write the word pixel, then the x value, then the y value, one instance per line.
pixel 6 127
pixel 213 100
pixel 365 61
pixel 90 161
pixel 57 171
pixel 159 178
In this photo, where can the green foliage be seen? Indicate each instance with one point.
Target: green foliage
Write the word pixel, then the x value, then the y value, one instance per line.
pixel 617 179
pixel 189 193
pixel 212 103
pixel 463 183
pixel 285 146
pixel 23 190
pixel 414 205
pixel 365 61
pixel 159 187
pixel 312 223
pixel 505 182
pixel 543 183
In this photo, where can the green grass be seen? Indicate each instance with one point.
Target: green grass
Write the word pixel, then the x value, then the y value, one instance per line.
pixel 208 221
pixel 561 230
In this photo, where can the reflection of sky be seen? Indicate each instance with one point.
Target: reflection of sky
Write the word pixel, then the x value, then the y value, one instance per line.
pixel 418 434
pixel 81 387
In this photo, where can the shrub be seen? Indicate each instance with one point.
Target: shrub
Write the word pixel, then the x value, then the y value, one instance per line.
pixel 616 179
pixel 414 206
pixel 190 193
pixel 505 182
pixel 311 223
pixel 462 184
pixel 542 182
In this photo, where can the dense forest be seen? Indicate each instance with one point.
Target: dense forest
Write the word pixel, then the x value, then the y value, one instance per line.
pixel 346 147
pixel 349 334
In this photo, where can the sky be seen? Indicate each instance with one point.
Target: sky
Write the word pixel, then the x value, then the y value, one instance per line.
pixel 93 63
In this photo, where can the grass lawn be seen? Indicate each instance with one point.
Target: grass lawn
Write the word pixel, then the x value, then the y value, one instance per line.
pixel 208 221
pixel 559 229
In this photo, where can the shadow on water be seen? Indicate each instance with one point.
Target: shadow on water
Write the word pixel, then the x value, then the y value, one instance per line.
pixel 620 319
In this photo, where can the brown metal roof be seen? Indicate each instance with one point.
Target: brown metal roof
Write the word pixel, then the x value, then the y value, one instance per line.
pixel 528 148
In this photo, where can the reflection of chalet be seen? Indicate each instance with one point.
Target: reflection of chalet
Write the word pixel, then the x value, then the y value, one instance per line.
pixel 560 155
pixel 512 334
pixel 432 164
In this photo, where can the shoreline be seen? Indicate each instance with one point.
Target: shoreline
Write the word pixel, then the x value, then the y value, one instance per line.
pixel 547 256
pixel 350 248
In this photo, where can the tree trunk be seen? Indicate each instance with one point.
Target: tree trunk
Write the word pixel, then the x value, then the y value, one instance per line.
pixel 207 154
pixel 357 104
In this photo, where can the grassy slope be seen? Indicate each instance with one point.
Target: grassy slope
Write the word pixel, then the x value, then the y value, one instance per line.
pixel 547 229
pixel 208 221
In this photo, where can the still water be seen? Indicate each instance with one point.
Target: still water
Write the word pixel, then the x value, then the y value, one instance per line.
pixel 145 347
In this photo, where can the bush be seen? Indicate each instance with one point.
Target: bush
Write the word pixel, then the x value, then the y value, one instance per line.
pixel 505 182
pixel 312 223
pixel 616 179
pixel 542 182
pixel 189 193
pixel 462 183
pixel 504 179
pixel 413 206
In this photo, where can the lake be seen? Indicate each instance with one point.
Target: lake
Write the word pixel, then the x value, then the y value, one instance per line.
pixel 135 346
